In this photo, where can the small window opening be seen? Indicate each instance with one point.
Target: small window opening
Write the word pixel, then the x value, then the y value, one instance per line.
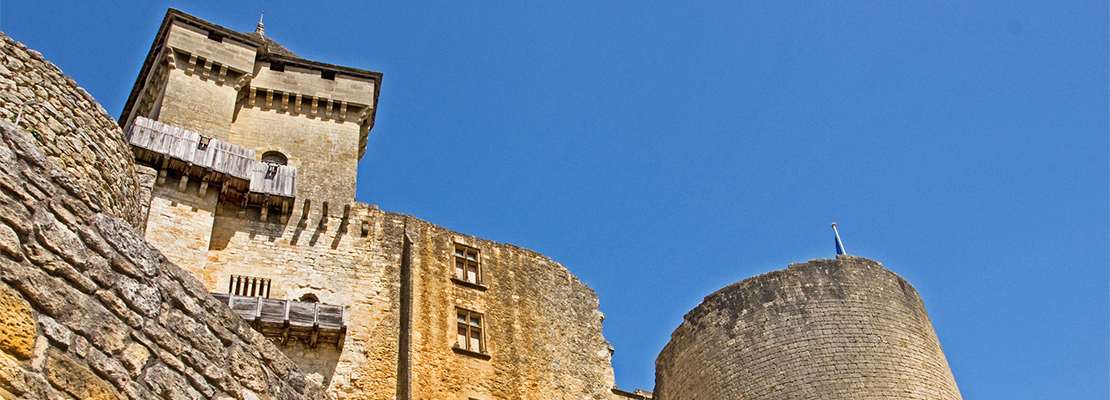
pixel 329 75
pixel 309 298
pixel 274 157
pixel 276 66
pixel 203 143
pixel 271 171
pixel 249 286
pixel 218 38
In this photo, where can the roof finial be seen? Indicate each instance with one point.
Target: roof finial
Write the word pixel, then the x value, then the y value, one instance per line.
pixel 259 27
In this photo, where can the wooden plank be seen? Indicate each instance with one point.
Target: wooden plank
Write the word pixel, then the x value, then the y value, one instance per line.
pixel 301 315
pixel 223 298
pixel 246 307
pixel 330 317
pixel 273 311
pixel 276 180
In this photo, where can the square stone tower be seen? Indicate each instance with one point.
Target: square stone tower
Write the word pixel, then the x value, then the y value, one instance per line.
pixel 247 155
pixel 247 90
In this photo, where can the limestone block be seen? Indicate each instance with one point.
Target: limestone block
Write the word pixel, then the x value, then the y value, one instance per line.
pixel 57 333
pixel 73 377
pixel 17 324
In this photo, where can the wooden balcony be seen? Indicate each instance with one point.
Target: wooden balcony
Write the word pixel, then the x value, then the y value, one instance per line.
pixel 311 323
pixel 242 179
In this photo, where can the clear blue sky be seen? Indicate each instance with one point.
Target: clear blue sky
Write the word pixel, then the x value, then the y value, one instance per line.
pixel 663 151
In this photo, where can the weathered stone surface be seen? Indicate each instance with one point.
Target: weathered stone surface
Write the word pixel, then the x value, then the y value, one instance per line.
pixel 135 356
pixel 836 329
pixel 59 239
pixel 125 240
pixel 73 377
pixel 12 377
pixel 75 135
pixel 58 333
pixel 17 324
pixel 96 292
pixel 9 243
pixel 142 298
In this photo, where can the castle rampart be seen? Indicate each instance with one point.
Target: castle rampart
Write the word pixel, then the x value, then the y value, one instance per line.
pixel 73 130
pixel 831 329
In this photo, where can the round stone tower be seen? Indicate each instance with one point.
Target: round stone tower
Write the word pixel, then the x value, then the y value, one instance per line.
pixel 829 329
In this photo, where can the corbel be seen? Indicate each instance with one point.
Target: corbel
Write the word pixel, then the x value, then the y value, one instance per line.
pixel 189 66
pixel 222 75
pixel 304 212
pixel 243 82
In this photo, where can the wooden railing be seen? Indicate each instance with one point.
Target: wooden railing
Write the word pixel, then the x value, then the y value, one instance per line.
pixel 272 179
pixel 191 147
pixel 212 154
pixel 312 323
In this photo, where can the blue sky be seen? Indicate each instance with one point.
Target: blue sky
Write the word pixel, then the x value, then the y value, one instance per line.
pixel 663 151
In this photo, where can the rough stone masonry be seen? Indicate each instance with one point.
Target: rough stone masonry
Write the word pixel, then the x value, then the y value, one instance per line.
pixel 88 309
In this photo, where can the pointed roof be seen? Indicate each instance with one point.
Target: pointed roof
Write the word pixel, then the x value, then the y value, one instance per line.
pixel 270 46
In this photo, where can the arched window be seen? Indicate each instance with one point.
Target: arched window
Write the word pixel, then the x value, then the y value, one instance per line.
pixel 309 298
pixel 274 157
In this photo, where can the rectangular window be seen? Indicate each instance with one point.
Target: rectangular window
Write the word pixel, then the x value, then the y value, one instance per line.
pixel 467 266
pixel 469 334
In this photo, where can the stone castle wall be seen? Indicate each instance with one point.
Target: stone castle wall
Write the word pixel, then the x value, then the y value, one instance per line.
pixel 339 263
pixel 89 310
pixel 176 215
pixel 830 329
pixel 75 132
pixel 325 152
pixel 542 328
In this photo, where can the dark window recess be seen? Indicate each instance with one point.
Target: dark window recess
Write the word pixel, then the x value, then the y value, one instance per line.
pixel 271 171
pixel 329 75
pixel 249 286
pixel 276 66
pixel 216 37
pixel 275 157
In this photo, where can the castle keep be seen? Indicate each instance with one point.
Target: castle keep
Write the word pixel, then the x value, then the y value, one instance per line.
pixel 213 248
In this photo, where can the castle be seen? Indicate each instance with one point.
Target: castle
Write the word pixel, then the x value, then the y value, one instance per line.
pixel 236 161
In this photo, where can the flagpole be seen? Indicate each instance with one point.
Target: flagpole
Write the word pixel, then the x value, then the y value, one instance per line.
pixel 839 244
